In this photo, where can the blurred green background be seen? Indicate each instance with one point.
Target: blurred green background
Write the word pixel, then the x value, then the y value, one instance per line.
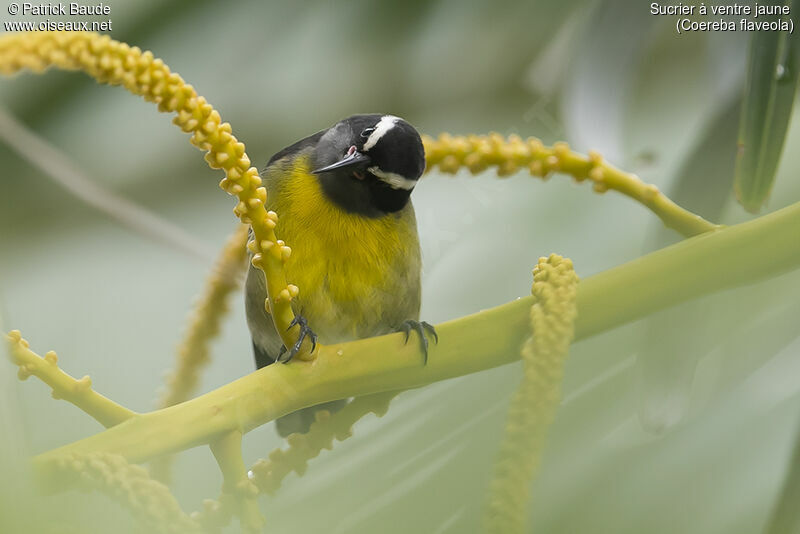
pixel 681 422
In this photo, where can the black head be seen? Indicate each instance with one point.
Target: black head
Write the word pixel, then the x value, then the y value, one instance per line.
pixel 369 164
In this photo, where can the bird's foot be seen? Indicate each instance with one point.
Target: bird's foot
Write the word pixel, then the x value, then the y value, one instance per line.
pixel 424 330
pixel 305 332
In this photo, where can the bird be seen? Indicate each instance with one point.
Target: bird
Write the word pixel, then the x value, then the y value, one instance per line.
pixel 343 196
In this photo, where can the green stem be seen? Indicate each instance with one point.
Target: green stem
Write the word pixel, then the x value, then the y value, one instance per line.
pixel 236 486
pixel 729 257
pixel 78 392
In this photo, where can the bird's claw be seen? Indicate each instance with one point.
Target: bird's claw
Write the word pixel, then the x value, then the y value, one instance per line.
pixel 423 329
pixel 305 331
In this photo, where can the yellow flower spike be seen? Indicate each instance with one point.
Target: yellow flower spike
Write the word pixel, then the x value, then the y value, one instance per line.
pixel 513 140
pixel 77 392
pixel 150 501
pixel 561 149
pixel 449 164
pixel 268 474
pixel 51 357
pixel 600 187
pixel 536 168
pixel 519 152
pixel 536 147
pixel 507 168
pixel 115 63
pixel 205 323
pixel 496 139
pixel 261 194
pixel 534 404
pixel 15 336
pixel 475 163
pixel 596 174
pixel 296 441
pixel 254 178
pixel 82 384
pixel 234 175
pixel 449 153
pixel 214 516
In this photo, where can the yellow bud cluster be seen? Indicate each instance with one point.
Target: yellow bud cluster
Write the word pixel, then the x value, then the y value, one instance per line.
pixel 131 486
pixel 116 63
pixel 534 404
pixel 479 152
pixel 513 154
pixel 215 515
pixel 268 474
pixel 206 319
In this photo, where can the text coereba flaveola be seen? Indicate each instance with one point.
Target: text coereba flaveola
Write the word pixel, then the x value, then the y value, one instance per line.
pixel 343 196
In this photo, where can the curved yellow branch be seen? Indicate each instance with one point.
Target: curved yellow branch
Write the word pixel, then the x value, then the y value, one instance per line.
pixel 509 155
pixel 115 63
pixel 79 392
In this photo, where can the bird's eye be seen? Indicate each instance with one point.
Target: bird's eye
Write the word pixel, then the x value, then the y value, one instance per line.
pixel 366 132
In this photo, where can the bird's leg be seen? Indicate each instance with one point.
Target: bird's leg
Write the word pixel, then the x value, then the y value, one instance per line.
pixel 424 330
pixel 305 331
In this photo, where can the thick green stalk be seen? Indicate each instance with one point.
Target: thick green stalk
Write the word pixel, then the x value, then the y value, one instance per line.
pixel 728 257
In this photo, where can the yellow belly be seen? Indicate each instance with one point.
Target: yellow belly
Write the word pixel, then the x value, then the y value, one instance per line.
pixel 358 276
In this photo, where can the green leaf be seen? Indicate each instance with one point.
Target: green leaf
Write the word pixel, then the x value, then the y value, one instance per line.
pixel 772 75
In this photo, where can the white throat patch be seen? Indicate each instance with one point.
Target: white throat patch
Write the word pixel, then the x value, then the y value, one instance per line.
pixel 386 123
pixel 394 180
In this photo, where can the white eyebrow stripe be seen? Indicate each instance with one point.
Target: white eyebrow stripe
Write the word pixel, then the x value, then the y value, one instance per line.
pixel 394 180
pixel 386 123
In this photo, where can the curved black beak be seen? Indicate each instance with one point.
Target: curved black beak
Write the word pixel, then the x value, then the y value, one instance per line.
pixel 353 157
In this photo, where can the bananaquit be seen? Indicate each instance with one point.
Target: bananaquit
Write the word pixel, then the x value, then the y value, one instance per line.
pixel 343 196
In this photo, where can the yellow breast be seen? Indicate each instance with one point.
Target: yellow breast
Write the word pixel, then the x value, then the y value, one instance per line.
pixel 349 268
